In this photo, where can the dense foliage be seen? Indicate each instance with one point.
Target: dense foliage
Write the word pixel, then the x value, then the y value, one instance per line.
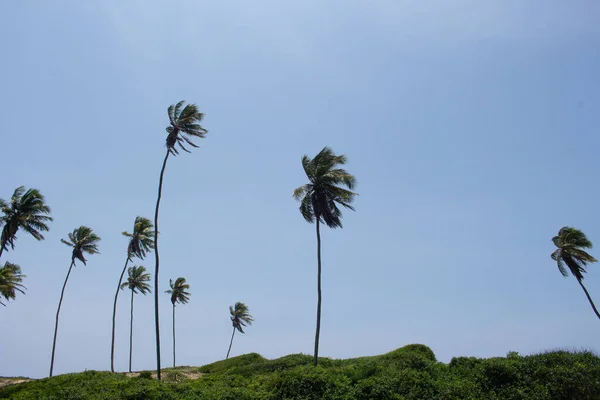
pixel 408 373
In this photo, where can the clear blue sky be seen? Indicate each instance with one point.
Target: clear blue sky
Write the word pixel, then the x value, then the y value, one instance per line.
pixel 472 128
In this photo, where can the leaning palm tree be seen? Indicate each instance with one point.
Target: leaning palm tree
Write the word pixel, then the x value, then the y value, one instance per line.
pixel 11 280
pixel 178 295
pixel 240 317
pixel 570 256
pixel 140 242
pixel 137 283
pixel 26 210
pixel 82 240
pixel 183 128
pixel 318 203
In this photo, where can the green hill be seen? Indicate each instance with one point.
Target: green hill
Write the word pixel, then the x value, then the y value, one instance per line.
pixel 411 372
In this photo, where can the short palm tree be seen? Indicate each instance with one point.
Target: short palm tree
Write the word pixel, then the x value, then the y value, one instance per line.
pixel 26 210
pixel 240 316
pixel 183 128
pixel 11 280
pixel 82 240
pixel 570 256
pixel 178 294
pixel 140 242
pixel 318 203
pixel 136 281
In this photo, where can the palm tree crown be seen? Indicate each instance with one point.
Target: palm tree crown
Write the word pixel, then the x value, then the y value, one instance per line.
pixel 184 126
pixel 178 291
pixel 142 239
pixel 25 210
pixel 319 198
pixel 10 281
pixel 137 279
pixel 82 240
pixel 240 316
pixel 570 243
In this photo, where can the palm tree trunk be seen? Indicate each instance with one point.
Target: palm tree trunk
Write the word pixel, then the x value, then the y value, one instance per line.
pixel 589 298
pixel 1 249
pixel 157 262
pixel 112 342
pixel 173 335
pixel 230 343
pixel 318 295
pixel 62 293
pixel 131 332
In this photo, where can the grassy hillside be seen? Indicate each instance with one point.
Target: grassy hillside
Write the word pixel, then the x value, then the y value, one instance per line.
pixel 410 372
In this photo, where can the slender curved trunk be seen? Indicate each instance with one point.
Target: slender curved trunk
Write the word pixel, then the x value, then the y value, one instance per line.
pixel 62 293
pixel 131 332
pixel 156 265
pixel 230 343
pixel 1 250
pixel 112 342
pixel 318 332
pixel 173 335
pixel 589 298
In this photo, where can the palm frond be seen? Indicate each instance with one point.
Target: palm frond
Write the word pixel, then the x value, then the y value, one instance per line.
pixel 319 198
pixel 184 125
pixel 11 280
pixel 178 291
pixel 82 239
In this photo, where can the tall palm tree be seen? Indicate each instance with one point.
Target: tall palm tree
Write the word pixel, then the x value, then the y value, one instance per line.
pixel 26 210
pixel 178 294
pixel 570 243
pixel 318 203
pixel 240 317
pixel 183 128
pixel 10 281
pixel 82 240
pixel 137 283
pixel 140 242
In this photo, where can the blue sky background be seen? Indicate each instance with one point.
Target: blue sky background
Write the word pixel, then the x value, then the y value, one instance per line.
pixel 472 128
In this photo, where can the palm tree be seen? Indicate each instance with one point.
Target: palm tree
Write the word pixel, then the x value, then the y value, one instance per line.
pixel 178 295
pixel 183 128
pixel 318 203
pixel 82 240
pixel 140 242
pixel 240 316
pixel 570 243
pixel 26 210
pixel 10 281
pixel 136 282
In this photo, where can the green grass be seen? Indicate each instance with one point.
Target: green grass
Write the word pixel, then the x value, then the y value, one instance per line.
pixel 408 373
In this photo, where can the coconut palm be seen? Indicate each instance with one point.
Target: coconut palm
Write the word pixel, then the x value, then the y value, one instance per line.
pixel 10 281
pixel 240 317
pixel 82 240
pixel 140 242
pixel 137 283
pixel 26 210
pixel 178 294
pixel 570 256
pixel 318 203
pixel 183 128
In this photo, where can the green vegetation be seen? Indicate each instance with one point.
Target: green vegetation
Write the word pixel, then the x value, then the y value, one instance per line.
pixel 408 373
